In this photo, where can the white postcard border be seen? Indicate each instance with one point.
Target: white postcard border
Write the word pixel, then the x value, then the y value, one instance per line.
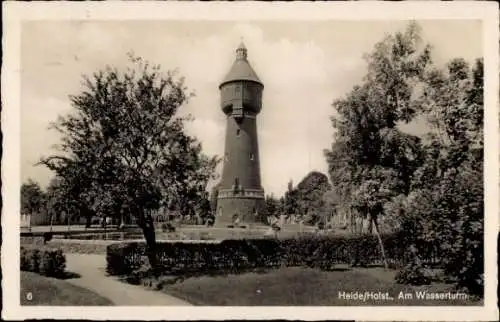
pixel 16 12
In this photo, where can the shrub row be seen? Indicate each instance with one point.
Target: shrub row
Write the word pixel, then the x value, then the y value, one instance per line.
pixel 45 261
pixel 78 247
pixel 242 254
pixel 36 240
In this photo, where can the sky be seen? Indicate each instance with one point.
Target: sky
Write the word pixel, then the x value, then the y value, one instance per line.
pixel 304 65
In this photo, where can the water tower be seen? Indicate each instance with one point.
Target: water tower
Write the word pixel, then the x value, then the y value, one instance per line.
pixel 241 195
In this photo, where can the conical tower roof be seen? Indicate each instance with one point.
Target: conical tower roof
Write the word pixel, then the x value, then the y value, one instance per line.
pixel 241 69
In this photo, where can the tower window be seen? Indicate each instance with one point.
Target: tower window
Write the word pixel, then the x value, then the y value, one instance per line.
pixel 237 132
pixel 237 89
pixel 252 156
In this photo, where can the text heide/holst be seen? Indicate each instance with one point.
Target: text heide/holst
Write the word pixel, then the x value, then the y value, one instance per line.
pixel 365 296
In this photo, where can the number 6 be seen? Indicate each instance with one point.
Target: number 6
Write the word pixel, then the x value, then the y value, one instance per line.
pixel 29 296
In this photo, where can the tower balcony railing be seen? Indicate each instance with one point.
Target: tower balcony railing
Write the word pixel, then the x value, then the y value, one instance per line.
pixel 241 193
pixel 238 113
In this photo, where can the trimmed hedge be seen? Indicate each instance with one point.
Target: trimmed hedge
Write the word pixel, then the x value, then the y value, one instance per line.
pixel 179 257
pixel 232 256
pixel 43 260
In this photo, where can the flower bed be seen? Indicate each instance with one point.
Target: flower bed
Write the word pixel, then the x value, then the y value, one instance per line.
pixel 243 254
pixel 43 260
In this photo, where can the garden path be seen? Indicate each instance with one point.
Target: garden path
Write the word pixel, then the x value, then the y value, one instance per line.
pixel 92 271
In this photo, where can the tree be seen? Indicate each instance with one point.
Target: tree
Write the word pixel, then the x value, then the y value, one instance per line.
pixel 71 190
pixel 291 200
pixel 378 188
pixel 213 198
pixel 271 207
pixel 204 209
pixel 126 136
pixel 462 88
pixel 440 199
pixel 60 203
pixel 32 198
pixel 281 206
pixel 371 159
pixel 334 207
pixel 450 179
pixel 310 193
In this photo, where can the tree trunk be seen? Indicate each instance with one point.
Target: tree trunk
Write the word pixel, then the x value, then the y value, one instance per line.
pixel 122 221
pixel 373 220
pixel 88 219
pixel 367 225
pixel 352 222
pixel 357 221
pixel 416 257
pixel 148 229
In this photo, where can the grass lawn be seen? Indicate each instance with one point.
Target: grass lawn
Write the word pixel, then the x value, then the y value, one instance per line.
pixel 50 291
pixel 301 287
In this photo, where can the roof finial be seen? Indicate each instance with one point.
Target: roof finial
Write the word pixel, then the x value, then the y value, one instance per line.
pixel 241 51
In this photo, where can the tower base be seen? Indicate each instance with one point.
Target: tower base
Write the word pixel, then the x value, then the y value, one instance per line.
pixel 243 208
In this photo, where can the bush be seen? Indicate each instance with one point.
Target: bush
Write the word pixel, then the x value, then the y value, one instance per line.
pixel 25 261
pixel 52 263
pixel 412 274
pixel 47 237
pixel 137 276
pixel 34 260
pixel 467 273
pixel 46 261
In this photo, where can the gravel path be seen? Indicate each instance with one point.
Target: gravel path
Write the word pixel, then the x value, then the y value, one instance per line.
pixel 91 269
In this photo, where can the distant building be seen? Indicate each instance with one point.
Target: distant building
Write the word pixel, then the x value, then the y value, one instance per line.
pixel 240 196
